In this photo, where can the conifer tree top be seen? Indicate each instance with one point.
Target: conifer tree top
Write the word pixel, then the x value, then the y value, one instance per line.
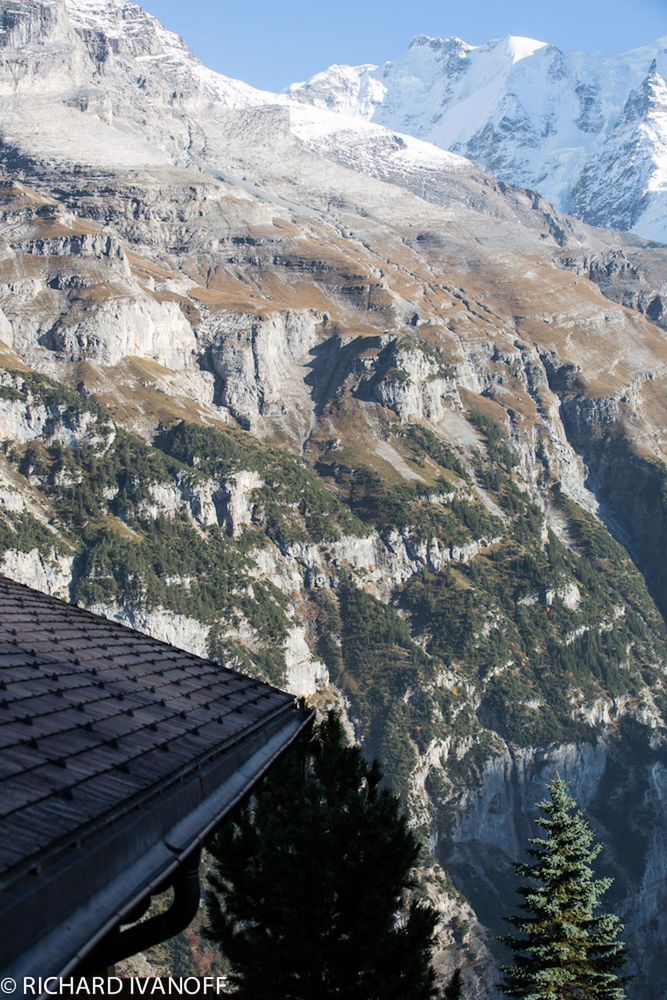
pixel 312 883
pixel 564 949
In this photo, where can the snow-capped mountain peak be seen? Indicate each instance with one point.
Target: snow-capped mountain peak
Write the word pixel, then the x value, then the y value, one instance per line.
pixel 564 124
pixel 62 45
pixel 529 113
pixel 518 47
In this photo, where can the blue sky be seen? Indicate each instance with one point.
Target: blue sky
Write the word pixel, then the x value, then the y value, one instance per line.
pixel 270 43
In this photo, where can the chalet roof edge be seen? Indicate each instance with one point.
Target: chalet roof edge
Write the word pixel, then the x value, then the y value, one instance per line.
pixel 112 622
pixel 118 753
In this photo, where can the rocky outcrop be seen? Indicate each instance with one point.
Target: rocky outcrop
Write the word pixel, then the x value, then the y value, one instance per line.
pixel 178 630
pixel 25 419
pixel 263 364
pixel 49 572
pixel 627 277
pixel 415 384
pixel 629 485
pixel 203 502
pixel 305 675
pixel 117 329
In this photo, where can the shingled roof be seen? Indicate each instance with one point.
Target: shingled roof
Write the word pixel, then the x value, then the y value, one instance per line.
pixel 118 753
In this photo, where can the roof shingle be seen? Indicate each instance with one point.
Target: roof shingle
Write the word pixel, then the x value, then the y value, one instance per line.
pixel 92 714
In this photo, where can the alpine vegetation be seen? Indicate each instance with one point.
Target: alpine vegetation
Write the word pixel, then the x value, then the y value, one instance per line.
pixel 564 948
pixel 311 883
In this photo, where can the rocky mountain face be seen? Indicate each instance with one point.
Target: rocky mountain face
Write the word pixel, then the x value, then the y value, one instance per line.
pixel 586 130
pixel 306 395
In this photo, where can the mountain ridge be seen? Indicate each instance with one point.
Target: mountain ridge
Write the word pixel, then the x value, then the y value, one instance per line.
pixel 528 113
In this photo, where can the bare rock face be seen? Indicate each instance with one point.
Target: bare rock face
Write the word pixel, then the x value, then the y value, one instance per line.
pixel 416 385
pixel 116 330
pixel 263 364
pixel 631 488
pixel 51 572
pixel 236 496
pixel 177 630
pixel 305 676
pixel 634 280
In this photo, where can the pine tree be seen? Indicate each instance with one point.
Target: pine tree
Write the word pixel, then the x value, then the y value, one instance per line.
pixel 454 987
pixel 564 951
pixel 310 879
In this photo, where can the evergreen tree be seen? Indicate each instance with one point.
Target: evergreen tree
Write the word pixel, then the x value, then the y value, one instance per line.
pixel 310 879
pixel 564 951
pixel 453 987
